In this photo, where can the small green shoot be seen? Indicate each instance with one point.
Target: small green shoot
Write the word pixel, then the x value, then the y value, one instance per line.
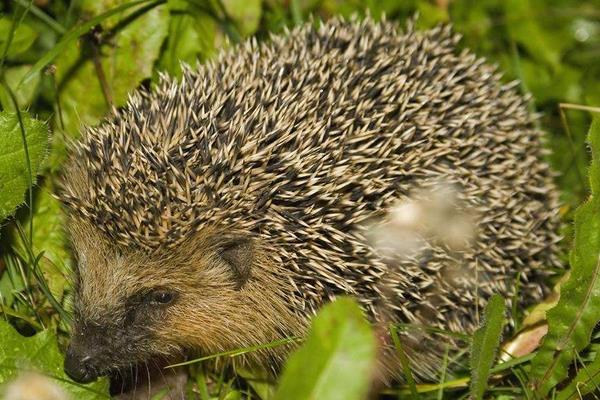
pixel 485 346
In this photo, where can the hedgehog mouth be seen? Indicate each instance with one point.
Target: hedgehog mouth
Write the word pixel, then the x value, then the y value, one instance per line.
pixel 126 378
pixel 93 373
pixel 149 373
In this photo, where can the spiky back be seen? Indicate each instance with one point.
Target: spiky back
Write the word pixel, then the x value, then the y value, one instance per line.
pixel 301 140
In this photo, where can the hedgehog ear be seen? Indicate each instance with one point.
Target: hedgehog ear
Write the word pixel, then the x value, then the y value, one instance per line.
pixel 238 252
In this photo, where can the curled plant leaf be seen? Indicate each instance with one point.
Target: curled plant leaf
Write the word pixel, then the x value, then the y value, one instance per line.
pixel 534 328
pixel 526 342
pixel 336 361
pixel 571 321
pixel 485 346
pixel 14 159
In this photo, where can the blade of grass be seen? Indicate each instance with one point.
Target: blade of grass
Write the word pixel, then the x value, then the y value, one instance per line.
pixel 514 303
pixel 485 346
pixel 11 34
pixel 579 107
pixel 464 382
pixel 42 16
pixel 11 271
pixel 47 293
pixel 15 268
pixel 522 378
pixel 52 73
pixel 456 360
pixel 221 382
pixel 238 352
pixel 440 395
pixel 428 329
pixel 34 262
pixel 202 386
pixel 459 383
pixel 511 363
pixel 404 362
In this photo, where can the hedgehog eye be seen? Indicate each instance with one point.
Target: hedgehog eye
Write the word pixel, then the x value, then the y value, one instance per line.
pixel 161 297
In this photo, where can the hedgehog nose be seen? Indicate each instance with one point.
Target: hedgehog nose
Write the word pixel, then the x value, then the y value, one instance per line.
pixel 79 367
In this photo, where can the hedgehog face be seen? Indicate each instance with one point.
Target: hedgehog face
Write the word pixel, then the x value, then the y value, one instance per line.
pixel 131 307
pixel 100 346
pixel 120 299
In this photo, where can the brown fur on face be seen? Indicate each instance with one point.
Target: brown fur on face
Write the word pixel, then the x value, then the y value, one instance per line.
pixel 212 312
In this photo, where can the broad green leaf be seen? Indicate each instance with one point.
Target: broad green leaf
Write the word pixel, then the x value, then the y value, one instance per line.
pixel 485 345
pixel 23 37
pixel 191 39
pixel 259 382
pixel 571 321
pixel 336 361
pixel 475 21
pixel 40 353
pixel 233 395
pixel 431 15
pixel 75 33
pixel 126 61
pixel 14 172
pixel 527 32
pixel 547 85
pixel 245 13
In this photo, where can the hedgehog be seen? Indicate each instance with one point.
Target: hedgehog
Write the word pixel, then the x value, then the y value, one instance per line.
pixel 222 209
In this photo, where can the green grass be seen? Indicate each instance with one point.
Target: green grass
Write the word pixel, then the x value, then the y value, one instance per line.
pixel 54 77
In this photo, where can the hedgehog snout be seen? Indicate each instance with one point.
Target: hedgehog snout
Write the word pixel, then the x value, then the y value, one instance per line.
pixel 79 364
pixel 91 352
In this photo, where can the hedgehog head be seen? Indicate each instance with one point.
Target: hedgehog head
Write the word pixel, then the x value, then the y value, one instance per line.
pixel 132 306
pixel 163 265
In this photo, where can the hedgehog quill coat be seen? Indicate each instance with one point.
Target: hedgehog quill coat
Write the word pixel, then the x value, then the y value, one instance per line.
pixel 222 210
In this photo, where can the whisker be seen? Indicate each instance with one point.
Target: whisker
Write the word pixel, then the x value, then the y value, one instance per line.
pixel 122 377
pixel 135 379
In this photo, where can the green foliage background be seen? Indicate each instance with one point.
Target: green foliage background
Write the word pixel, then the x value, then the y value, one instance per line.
pixel 65 63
